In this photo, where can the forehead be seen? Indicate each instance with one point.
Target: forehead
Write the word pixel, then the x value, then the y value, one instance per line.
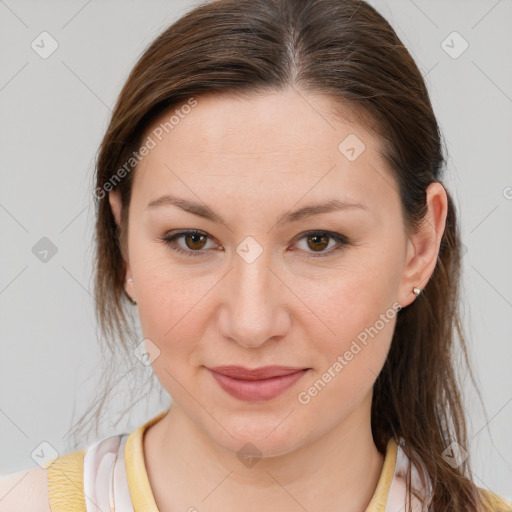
pixel 290 140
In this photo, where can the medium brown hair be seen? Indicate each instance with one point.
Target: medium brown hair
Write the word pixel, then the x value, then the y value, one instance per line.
pixel 345 49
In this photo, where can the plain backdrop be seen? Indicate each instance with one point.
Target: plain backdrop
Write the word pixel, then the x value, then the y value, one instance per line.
pixel 54 111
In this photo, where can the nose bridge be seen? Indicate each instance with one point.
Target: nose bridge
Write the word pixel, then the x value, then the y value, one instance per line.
pixel 250 317
pixel 251 268
pixel 252 278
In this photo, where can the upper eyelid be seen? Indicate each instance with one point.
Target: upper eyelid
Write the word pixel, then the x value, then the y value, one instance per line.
pixel 184 232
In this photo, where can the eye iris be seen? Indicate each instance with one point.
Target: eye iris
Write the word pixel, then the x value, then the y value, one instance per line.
pixel 194 236
pixel 318 237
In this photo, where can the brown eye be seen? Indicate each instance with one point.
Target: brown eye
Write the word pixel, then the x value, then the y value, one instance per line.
pixel 318 242
pixel 197 241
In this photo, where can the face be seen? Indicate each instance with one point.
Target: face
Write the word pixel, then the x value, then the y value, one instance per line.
pixel 258 285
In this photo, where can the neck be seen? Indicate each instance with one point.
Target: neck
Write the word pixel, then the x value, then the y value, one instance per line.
pixel 186 468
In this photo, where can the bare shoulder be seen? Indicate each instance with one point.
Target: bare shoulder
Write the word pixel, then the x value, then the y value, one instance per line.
pixel 25 490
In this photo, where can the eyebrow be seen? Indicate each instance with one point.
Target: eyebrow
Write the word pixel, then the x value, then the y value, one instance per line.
pixel 204 211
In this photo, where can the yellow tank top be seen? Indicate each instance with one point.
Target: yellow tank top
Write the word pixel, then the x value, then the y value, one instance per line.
pixel 110 475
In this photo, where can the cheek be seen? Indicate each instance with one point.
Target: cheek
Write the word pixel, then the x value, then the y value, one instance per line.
pixel 171 309
pixel 166 292
pixel 349 301
pixel 357 331
pixel 355 317
pixel 350 360
pixel 169 318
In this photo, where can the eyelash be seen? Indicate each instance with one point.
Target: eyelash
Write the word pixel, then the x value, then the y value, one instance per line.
pixel 170 241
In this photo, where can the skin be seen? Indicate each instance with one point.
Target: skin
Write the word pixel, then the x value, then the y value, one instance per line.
pixel 250 161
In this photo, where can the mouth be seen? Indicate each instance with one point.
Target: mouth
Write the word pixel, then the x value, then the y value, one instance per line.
pixel 259 384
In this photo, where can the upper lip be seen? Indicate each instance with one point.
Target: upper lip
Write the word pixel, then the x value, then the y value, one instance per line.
pixel 264 372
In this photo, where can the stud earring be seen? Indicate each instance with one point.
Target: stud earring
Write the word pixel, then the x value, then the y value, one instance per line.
pixel 416 291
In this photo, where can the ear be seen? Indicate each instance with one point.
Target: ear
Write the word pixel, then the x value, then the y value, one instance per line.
pixel 423 246
pixel 114 198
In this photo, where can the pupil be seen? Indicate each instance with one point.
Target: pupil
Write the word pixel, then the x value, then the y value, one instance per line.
pixel 194 237
pixel 317 238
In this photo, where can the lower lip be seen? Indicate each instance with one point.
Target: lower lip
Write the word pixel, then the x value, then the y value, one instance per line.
pixel 257 390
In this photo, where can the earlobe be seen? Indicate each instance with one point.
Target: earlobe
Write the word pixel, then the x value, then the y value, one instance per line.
pixel 129 285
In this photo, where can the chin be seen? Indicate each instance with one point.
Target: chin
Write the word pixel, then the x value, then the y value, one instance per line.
pixel 259 439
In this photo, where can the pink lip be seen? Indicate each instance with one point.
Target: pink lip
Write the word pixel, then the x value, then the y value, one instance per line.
pixel 255 385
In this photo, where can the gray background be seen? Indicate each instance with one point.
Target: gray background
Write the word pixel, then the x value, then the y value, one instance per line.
pixel 53 114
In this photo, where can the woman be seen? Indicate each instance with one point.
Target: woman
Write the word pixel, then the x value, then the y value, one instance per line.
pixel 269 197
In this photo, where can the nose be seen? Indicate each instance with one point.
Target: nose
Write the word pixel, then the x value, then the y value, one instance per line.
pixel 255 308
